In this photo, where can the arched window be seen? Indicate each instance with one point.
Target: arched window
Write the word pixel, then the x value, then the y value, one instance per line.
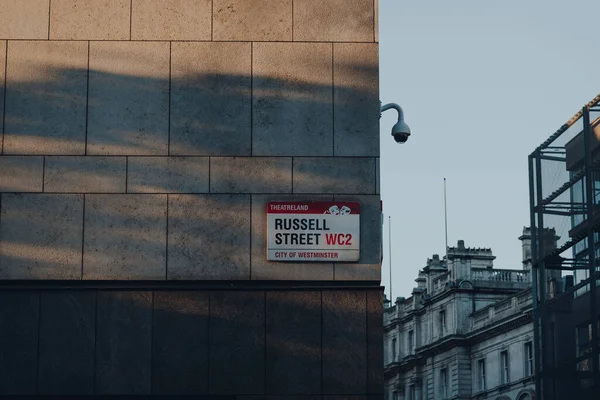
pixel 524 396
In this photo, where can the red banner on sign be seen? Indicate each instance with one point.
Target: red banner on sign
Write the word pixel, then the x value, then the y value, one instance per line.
pixel 317 207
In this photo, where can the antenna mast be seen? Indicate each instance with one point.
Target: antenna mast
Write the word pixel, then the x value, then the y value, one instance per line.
pixel 390 250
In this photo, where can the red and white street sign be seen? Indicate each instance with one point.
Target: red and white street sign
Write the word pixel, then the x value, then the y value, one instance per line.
pixel 313 231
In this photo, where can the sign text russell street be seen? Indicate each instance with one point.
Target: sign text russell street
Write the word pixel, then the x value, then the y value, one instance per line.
pixel 313 231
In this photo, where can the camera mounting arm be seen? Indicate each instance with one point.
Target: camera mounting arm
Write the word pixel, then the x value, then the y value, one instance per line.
pixel 395 107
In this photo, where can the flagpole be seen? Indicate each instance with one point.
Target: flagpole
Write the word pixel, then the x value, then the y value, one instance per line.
pixel 390 251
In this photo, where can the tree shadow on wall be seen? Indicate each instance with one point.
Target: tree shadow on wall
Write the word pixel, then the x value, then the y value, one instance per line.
pixel 106 341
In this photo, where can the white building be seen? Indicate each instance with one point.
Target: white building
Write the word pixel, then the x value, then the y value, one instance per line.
pixel 464 333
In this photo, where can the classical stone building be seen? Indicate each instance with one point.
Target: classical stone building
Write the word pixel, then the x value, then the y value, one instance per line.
pixel 141 141
pixel 464 333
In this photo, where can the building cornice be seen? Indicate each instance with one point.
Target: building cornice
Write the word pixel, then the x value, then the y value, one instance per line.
pixel 447 293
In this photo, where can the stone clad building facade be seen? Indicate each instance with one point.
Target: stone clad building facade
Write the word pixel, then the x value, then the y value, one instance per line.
pixel 140 143
pixel 465 333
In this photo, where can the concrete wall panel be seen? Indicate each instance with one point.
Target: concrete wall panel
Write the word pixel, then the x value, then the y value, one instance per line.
pixel 334 175
pixel 346 397
pixel 24 19
pixel 344 342
pixel 251 175
pixel 168 175
pixel 356 99
pixel 21 173
pixel 40 236
pixel 237 342
pixel 333 20
pixel 293 330
pixel 259 20
pixel 292 99
pixel 270 270
pixel 128 98
pixel 124 343
pixel 374 342
pixel 171 20
pixel 376 11
pixel 2 86
pixel 19 319
pixel 209 237
pixel 210 99
pixel 46 86
pixel 180 342
pixel 85 174
pixel 368 268
pixel 90 19
pixel 67 342
pixel 377 175
pixel 125 236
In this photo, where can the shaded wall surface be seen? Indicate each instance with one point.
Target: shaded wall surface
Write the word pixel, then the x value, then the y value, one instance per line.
pixel 140 143
pixel 247 341
pixel 142 139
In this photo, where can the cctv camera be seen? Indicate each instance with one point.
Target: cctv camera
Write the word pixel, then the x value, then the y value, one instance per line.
pixel 401 137
pixel 400 131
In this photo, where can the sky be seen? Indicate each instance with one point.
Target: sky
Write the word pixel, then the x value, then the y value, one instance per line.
pixel 481 83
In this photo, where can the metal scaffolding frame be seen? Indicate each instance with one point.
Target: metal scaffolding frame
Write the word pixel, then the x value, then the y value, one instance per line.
pixel 564 193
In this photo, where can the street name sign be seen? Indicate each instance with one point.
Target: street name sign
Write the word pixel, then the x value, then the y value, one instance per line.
pixel 313 231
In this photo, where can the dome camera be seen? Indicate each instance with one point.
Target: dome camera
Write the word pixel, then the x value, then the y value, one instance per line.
pixel 400 131
pixel 401 137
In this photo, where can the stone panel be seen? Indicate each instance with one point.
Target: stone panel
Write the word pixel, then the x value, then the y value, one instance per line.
pixel 278 397
pixel 90 20
pixel 377 175
pixel 180 343
pixel 24 19
pixel 19 318
pixel 344 342
pixel 125 236
pixel 345 397
pixel 41 236
pixel 292 99
pixel 124 343
pixel 168 175
pixel 293 331
pixel 368 268
pixel 333 20
pixel 237 342
pixel 374 342
pixel 128 98
pixel 46 89
pixel 84 174
pixel 334 175
pixel 21 173
pixel 356 99
pixel 209 237
pixel 67 341
pixel 171 20
pixel 271 270
pixel 2 85
pixel 210 99
pixel 376 11
pixel 251 175
pixel 262 20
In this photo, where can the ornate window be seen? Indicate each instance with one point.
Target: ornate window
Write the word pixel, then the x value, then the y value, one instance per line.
pixel 504 372
pixel 481 375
